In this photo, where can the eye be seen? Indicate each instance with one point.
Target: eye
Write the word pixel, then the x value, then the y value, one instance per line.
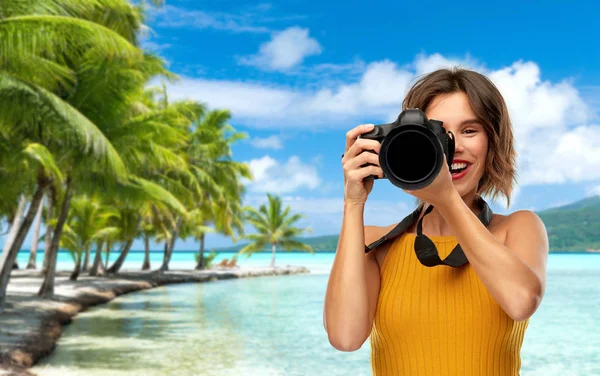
pixel 469 131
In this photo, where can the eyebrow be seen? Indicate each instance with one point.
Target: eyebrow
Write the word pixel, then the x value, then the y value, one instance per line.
pixel 470 121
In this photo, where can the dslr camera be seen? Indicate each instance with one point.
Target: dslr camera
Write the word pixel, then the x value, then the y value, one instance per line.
pixel 412 149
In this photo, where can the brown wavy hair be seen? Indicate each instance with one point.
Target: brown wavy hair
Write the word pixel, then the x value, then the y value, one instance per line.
pixel 488 105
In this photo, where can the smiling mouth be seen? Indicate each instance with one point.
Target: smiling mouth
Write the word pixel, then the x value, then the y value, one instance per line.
pixel 459 167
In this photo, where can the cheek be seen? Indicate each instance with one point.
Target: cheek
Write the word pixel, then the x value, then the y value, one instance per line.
pixel 476 147
pixel 479 146
pixel 480 150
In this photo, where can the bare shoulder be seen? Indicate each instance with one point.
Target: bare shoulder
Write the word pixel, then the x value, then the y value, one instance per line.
pixel 501 226
pixel 527 237
pixel 373 233
pixel 525 221
pixel 525 215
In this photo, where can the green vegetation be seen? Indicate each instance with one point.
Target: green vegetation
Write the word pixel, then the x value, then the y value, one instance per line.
pixel 103 158
pixel 274 228
pixel 574 227
pixel 571 228
pixel 325 243
pixel 208 260
pixel 87 145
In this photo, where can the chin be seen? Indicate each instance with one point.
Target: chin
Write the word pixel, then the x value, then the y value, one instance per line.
pixel 462 191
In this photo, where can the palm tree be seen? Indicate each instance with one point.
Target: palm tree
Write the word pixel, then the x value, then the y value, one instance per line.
pixel 87 218
pixel 42 59
pixel 76 121
pixel 38 156
pixel 196 226
pixel 274 227
pixel 210 155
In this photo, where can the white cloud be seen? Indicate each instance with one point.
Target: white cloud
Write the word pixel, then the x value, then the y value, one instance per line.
pixel 535 104
pixel 554 140
pixel 173 17
pixel 155 46
pixel 424 64
pixel 382 86
pixel 593 191
pixel 273 177
pixel 285 50
pixel 568 155
pixel 260 104
pixel 271 142
pixel 378 94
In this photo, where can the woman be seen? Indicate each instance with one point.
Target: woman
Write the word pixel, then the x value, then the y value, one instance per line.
pixel 442 320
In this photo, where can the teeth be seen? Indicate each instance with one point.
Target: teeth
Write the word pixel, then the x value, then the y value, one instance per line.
pixel 457 166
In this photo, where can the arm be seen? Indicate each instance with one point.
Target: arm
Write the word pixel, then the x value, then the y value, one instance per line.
pixel 353 287
pixel 514 273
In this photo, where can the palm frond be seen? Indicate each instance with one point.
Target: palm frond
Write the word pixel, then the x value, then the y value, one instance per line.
pixel 24 106
pixel 42 155
pixel 67 41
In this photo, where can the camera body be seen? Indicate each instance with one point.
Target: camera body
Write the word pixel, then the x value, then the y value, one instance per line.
pixel 412 149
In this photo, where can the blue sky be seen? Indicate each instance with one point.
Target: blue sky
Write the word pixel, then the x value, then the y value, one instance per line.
pixel 298 74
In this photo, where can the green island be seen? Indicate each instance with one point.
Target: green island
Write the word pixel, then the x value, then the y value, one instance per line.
pixel 571 228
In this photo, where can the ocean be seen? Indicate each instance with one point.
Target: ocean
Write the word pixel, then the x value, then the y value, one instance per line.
pixel 273 325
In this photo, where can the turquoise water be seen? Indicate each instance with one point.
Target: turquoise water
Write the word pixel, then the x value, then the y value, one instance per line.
pixel 273 326
pixel 318 262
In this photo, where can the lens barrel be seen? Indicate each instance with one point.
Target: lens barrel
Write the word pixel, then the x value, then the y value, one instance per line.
pixel 411 156
pixel 412 149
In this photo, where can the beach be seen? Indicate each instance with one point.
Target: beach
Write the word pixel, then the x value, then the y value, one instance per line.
pixel 30 326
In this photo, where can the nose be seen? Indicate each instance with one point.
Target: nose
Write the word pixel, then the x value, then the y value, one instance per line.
pixel 458 145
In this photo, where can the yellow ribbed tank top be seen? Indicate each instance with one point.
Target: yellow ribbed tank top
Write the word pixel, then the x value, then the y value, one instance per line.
pixel 439 321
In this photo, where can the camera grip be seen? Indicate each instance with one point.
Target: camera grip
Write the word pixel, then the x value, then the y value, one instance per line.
pixel 370 177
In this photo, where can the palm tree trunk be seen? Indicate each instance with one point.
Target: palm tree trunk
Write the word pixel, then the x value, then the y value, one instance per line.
pixel 146 264
pixel 273 247
pixel 119 262
pixel 49 229
pixel 108 249
pixel 165 252
pixel 200 265
pixel 14 227
pixel 95 270
pixel 47 289
pixel 86 260
pixel 169 253
pixel 7 260
pixel 15 224
pixel 36 234
pixel 75 273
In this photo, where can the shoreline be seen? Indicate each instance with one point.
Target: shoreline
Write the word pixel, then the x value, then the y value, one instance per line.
pixel 31 326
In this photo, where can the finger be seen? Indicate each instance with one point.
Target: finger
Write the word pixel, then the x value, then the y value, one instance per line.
pixel 361 173
pixel 369 170
pixel 361 145
pixel 361 159
pixel 353 133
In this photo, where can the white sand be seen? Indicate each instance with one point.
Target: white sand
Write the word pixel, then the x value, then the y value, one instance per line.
pixel 30 326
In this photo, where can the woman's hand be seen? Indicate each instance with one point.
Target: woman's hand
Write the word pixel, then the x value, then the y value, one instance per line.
pixel 439 191
pixel 357 154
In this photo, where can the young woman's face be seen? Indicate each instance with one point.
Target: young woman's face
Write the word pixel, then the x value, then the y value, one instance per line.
pixel 471 140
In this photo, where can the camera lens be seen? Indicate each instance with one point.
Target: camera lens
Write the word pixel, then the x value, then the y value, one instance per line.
pixel 411 156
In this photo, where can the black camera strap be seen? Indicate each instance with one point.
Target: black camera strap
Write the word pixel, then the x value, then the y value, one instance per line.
pixel 425 249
